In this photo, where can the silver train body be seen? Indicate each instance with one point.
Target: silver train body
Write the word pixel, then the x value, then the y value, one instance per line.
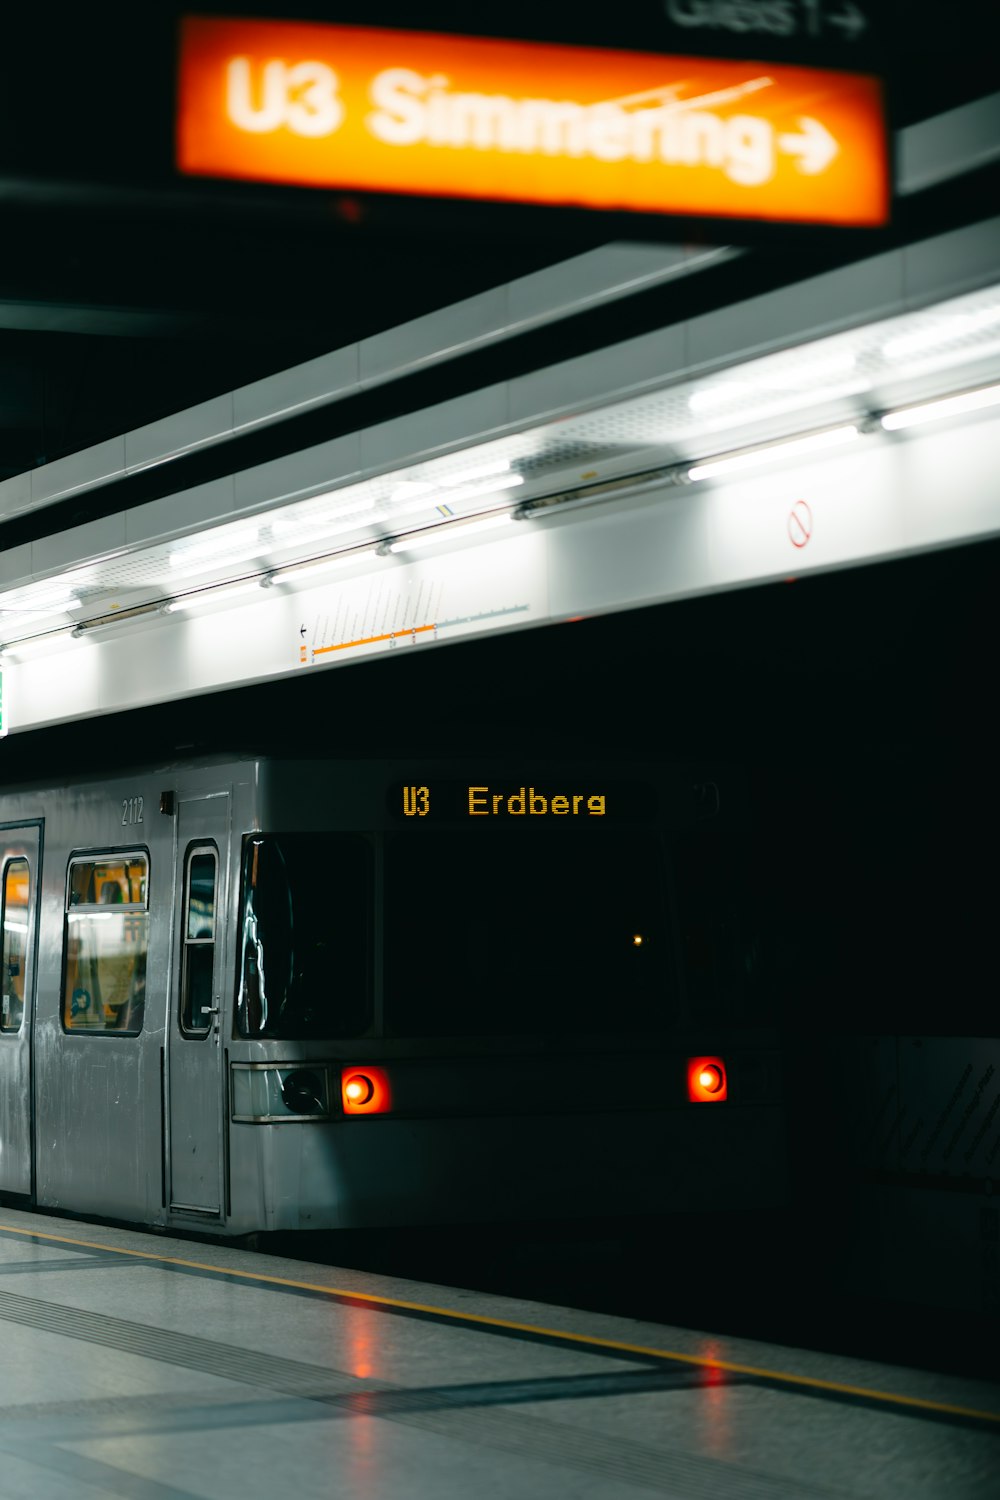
pixel 250 994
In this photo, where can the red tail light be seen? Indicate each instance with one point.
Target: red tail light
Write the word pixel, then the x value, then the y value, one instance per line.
pixel 706 1080
pixel 365 1091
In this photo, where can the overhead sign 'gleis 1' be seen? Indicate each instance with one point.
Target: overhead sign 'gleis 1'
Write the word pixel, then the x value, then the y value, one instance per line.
pixel 445 116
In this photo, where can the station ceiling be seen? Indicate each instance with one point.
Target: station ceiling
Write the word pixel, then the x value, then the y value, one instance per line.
pixel 126 294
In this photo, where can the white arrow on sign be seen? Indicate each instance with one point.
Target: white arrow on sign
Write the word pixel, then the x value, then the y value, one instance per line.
pixel 851 21
pixel 815 147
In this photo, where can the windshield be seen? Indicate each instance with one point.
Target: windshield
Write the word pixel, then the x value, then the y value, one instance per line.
pixel 526 933
pixel 305 967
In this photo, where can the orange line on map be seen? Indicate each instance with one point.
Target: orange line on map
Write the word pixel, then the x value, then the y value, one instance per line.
pixel 369 640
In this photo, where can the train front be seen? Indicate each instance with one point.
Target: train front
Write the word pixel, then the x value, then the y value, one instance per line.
pixel 480 993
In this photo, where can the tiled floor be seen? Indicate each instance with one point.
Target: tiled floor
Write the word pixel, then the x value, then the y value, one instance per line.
pixel 138 1366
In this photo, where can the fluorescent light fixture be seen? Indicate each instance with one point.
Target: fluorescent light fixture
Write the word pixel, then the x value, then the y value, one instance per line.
pixel 287 571
pixel 310 526
pixel 215 544
pixel 16 651
pixel 409 489
pixel 114 620
pixel 220 558
pixel 798 372
pixel 947 406
pixel 793 377
pixel 210 595
pixel 752 458
pixel 711 397
pixel 491 487
pixel 941 331
pixel 481 471
pixel 448 532
pixel 59 606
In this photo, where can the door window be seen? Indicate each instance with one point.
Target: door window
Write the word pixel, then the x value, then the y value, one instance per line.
pixel 107 935
pixel 198 947
pixel 14 905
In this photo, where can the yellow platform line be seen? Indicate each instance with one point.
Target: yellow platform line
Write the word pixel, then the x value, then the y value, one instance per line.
pixel 730 1367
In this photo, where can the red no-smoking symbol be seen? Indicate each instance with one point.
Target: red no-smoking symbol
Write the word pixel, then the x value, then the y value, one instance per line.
pixel 800 524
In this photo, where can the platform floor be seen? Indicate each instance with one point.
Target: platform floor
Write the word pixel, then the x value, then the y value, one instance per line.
pixel 160 1369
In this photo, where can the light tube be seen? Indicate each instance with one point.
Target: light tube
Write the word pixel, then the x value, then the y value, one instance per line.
pixel 60 606
pixel 773 452
pixel 285 573
pixel 940 331
pixel 210 595
pixel 481 471
pixel 947 406
pixel 447 533
pixel 492 486
pixel 216 549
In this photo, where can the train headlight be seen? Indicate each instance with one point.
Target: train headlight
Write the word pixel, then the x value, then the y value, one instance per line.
pixel 706 1080
pixel 278 1093
pixel 365 1091
pixel 303 1093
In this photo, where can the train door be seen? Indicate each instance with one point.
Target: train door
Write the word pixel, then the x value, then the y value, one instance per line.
pixel 20 863
pixel 196 1089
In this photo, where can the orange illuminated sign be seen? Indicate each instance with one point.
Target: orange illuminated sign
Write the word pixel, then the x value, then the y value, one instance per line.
pixel 446 116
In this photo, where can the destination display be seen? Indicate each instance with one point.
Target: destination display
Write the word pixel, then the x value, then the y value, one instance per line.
pixel 573 800
pixel 468 117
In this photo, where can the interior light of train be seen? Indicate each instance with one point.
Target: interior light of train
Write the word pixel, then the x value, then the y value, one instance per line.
pixel 752 458
pixel 448 533
pixel 365 1091
pixel 948 406
pixel 706 1080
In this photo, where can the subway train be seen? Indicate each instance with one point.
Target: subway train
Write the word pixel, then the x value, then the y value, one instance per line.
pixel 243 994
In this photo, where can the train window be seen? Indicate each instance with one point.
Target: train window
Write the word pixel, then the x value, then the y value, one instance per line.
pixel 14 904
pixel 198 948
pixel 527 933
pixel 306 961
pixel 107 934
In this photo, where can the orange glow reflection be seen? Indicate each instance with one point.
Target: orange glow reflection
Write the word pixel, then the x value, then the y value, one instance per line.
pixel 715 1409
